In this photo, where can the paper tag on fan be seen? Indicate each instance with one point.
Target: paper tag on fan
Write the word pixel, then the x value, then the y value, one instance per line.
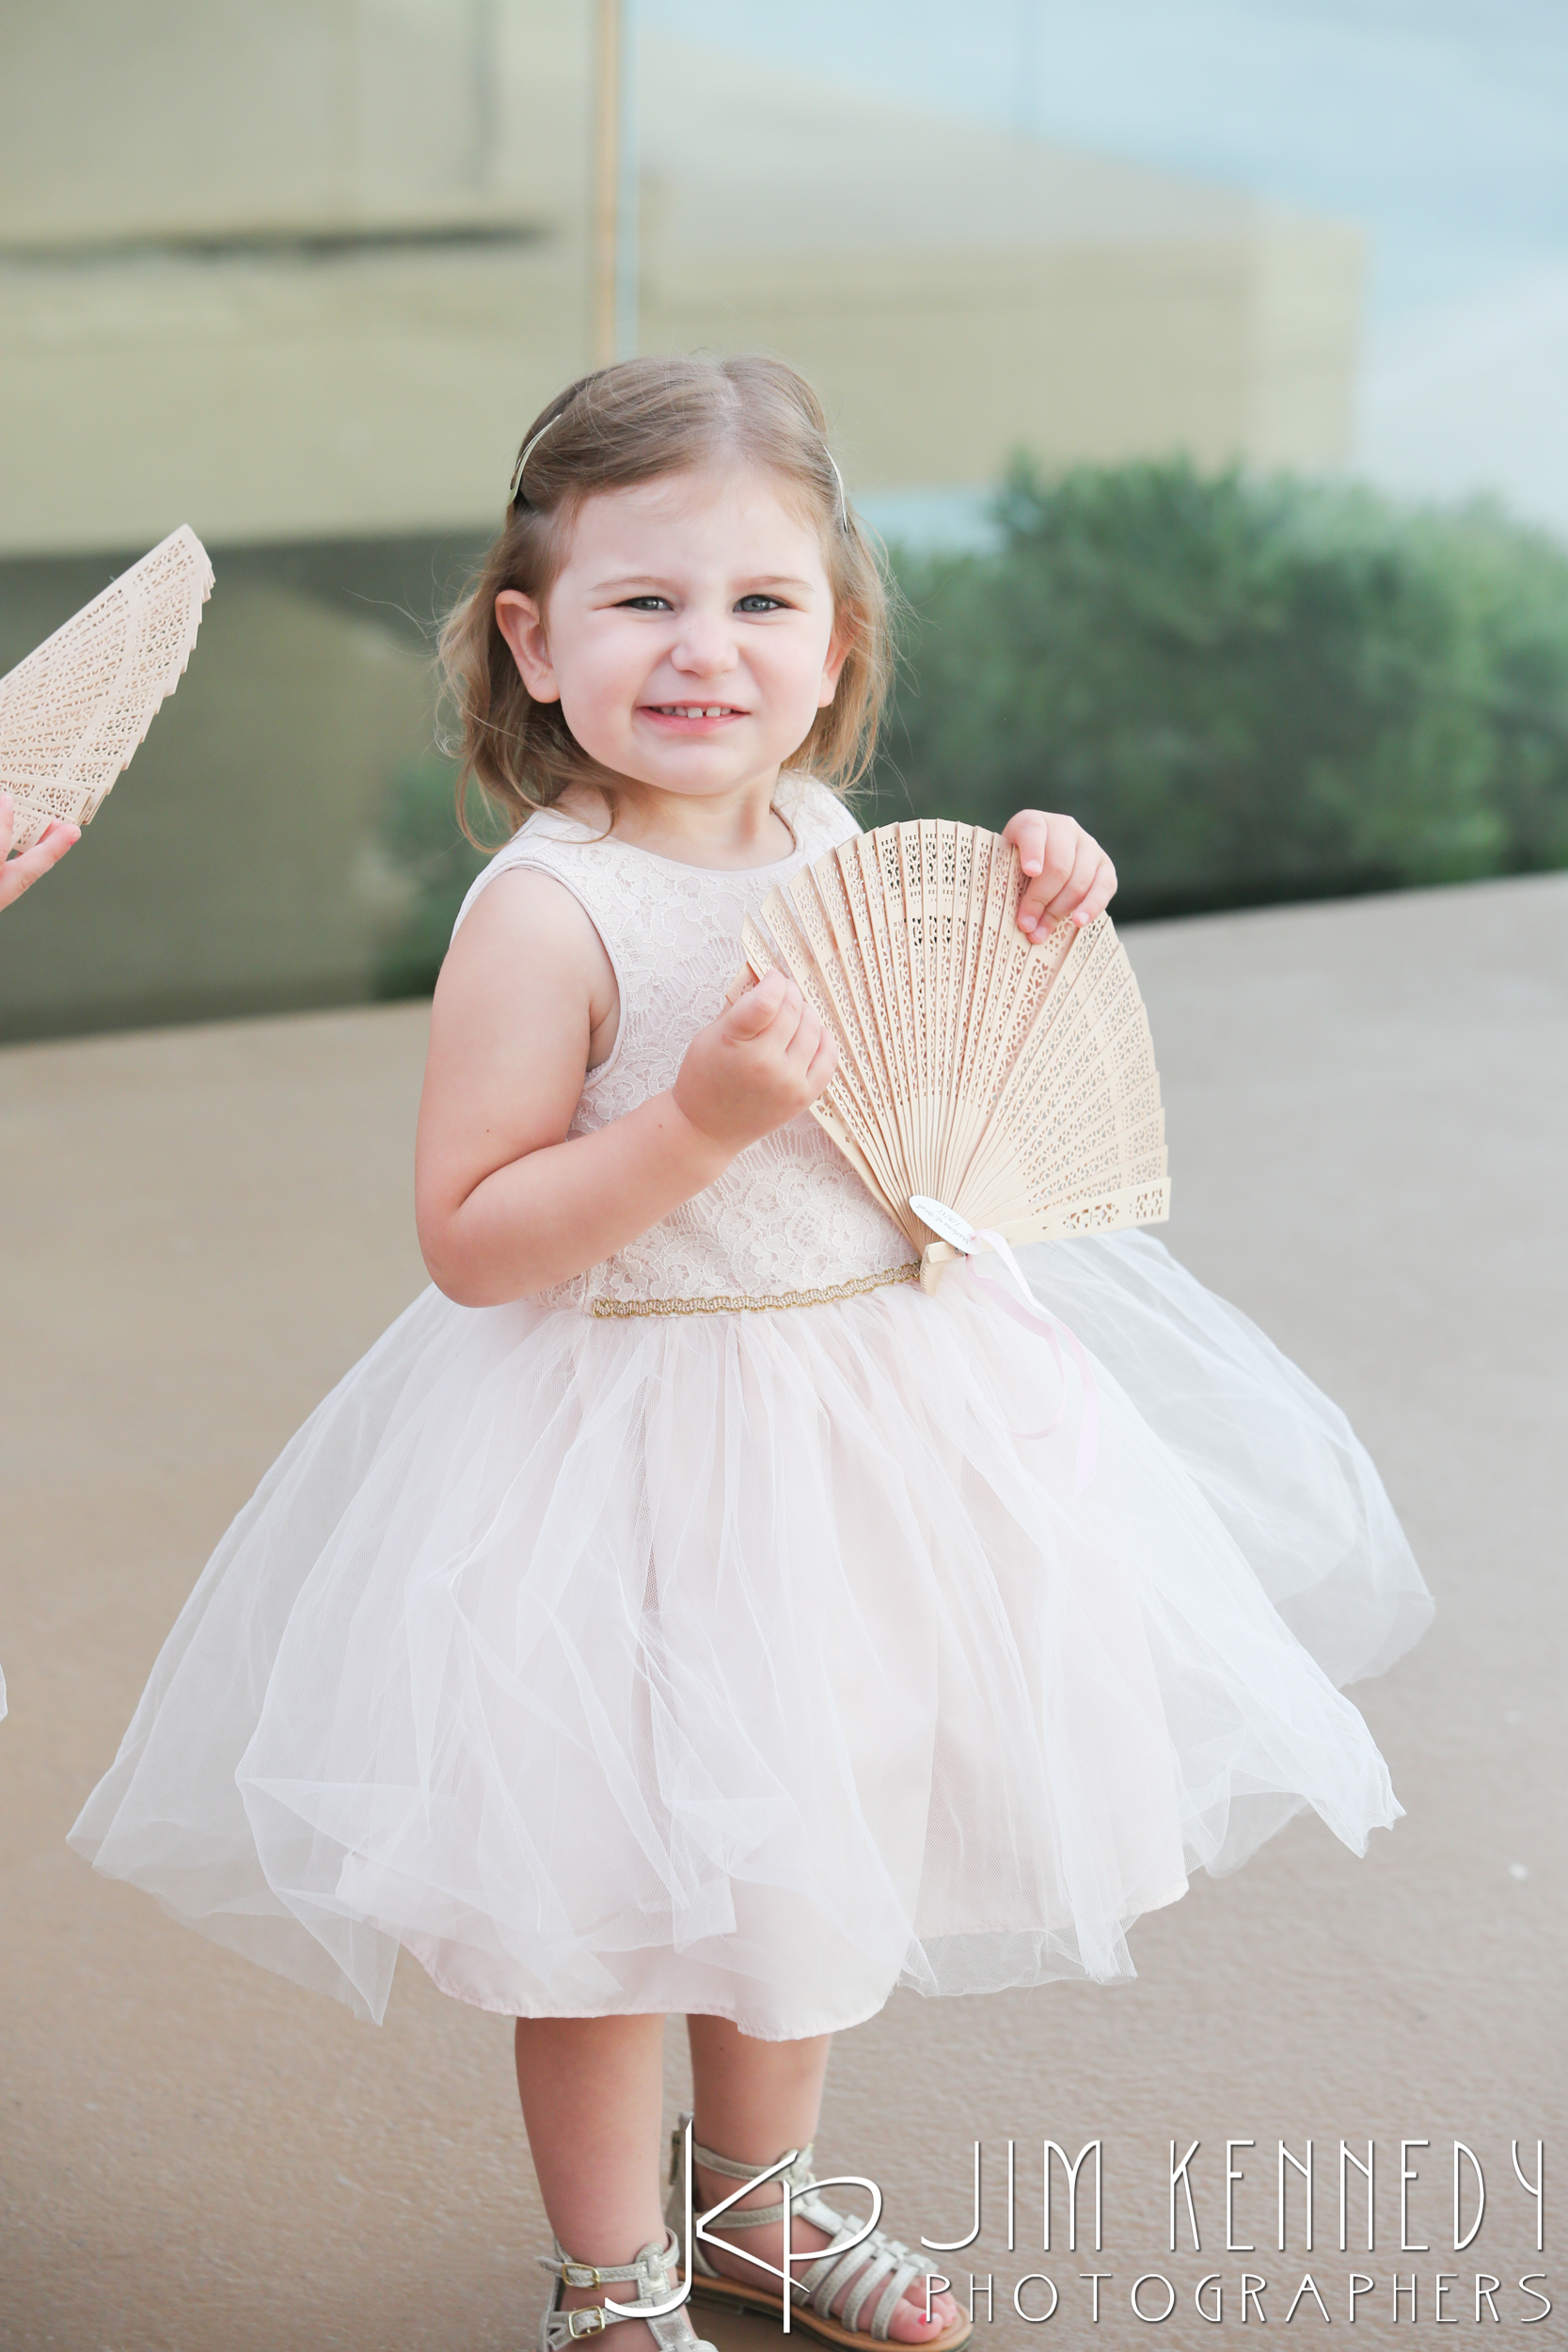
pixel 953 1229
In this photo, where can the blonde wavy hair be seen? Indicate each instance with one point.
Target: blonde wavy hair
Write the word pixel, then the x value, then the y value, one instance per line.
pixel 630 423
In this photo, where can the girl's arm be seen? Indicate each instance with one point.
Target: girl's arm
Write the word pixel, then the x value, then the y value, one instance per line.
pixel 1071 873
pixel 506 1203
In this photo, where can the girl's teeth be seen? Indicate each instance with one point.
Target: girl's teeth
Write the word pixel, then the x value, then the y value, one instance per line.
pixel 693 710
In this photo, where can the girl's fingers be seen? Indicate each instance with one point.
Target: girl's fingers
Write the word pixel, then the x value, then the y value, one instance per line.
pixel 756 1008
pixel 1046 845
pixel 1101 891
pixel 823 1063
pixel 1075 888
pixel 806 1038
pixel 1027 832
pixel 793 1016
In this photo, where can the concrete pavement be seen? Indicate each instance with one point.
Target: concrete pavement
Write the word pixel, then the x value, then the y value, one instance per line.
pixel 205 1227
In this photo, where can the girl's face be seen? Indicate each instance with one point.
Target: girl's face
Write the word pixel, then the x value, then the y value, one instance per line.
pixel 690 636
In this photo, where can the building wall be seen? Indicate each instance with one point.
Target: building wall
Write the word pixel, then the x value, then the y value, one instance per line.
pixel 309 268
pixel 274 397
pixel 238 118
pixel 299 271
pixel 937 372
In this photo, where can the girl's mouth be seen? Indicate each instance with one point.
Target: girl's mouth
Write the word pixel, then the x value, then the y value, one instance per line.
pixel 688 714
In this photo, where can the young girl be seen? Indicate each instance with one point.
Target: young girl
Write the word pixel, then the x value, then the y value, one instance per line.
pixel 665 1614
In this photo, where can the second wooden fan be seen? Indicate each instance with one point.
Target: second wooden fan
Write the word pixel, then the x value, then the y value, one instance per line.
pixel 75 711
pixel 1014 1085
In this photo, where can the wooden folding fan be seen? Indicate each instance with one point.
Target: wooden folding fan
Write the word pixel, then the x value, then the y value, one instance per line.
pixel 982 1083
pixel 73 712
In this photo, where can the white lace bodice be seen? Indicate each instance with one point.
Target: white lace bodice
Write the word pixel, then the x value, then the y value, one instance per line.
pixel 788 1214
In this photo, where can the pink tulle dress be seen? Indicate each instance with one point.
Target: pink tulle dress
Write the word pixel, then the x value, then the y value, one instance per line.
pixel 702 1634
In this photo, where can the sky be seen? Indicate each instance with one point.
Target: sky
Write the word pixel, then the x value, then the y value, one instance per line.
pixel 1441 126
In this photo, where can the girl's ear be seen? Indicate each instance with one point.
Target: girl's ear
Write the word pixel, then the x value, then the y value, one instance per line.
pixel 522 624
pixel 838 653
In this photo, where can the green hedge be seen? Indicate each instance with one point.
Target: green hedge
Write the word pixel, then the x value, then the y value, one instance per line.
pixel 429 863
pixel 1250 690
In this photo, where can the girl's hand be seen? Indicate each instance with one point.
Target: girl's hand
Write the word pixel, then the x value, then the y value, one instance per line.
pixel 764 1059
pixel 1070 875
pixel 47 851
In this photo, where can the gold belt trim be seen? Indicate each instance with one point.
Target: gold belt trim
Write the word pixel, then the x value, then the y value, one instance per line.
pixel 729 1303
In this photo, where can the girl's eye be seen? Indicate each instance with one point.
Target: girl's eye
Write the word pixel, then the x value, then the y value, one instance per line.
pixel 760 604
pixel 645 604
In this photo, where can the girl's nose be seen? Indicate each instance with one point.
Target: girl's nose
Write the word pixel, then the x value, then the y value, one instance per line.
pixel 706 647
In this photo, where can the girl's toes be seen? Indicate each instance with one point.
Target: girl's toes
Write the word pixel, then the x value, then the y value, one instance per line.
pixel 908 2324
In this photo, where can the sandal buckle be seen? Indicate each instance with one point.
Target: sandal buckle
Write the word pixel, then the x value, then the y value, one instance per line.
pixel 580 2275
pixel 592 2316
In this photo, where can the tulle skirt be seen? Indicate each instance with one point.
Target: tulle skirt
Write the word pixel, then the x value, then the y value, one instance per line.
pixel 756 1663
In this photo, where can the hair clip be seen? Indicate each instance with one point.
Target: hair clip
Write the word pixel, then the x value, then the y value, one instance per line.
pixel 533 442
pixel 527 450
pixel 843 501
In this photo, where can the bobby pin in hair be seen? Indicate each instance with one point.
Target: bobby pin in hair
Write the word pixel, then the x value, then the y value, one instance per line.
pixel 843 501
pixel 533 442
pixel 527 450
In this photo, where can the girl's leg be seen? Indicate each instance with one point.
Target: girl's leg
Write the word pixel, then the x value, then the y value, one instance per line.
pixel 593 2091
pixel 751 2101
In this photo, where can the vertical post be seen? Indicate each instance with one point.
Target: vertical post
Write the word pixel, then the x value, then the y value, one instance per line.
pixel 627 194
pixel 615 207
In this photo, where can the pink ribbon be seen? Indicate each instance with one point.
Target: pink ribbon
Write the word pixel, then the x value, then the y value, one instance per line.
pixel 1035 1318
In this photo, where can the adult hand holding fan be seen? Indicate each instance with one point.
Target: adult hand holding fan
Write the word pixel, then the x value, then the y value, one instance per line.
pixel 18 874
pixel 983 1083
pixel 75 711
